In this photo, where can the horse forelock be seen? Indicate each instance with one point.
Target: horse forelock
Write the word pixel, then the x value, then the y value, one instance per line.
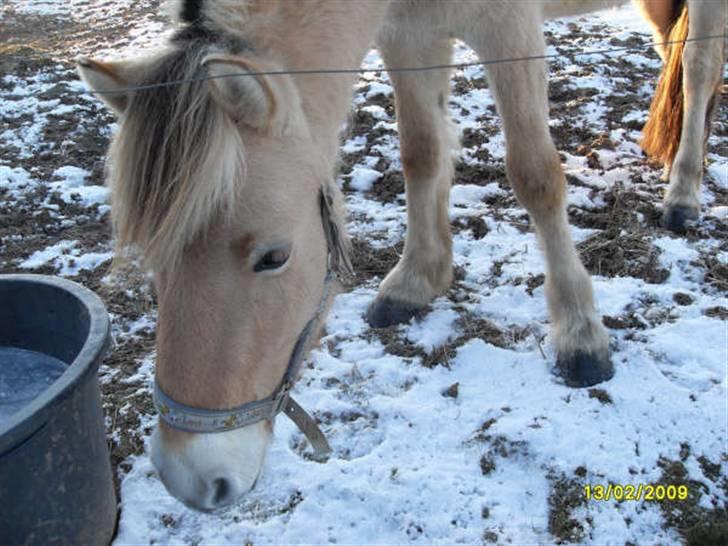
pixel 175 162
pixel 220 14
pixel 191 11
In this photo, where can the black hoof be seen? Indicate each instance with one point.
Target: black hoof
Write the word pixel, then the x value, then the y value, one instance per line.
pixel 386 312
pixel 585 369
pixel 675 218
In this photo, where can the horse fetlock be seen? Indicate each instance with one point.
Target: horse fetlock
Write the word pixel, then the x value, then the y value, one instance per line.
pixel 580 332
pixel 583 352
pixel 418 281
pixel 407 290
pixel 683 191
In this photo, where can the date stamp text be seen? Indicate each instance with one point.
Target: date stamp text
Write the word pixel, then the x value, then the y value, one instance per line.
pixel 636 492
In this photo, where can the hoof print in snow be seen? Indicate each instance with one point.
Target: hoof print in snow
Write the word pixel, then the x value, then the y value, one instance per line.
pixel 584 369
pixel 487 464
pixel 683 299
pixel 500 447
pixel 451 391
pixel 601 395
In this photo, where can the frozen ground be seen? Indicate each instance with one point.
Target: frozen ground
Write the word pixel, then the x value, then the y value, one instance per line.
pixel 450 429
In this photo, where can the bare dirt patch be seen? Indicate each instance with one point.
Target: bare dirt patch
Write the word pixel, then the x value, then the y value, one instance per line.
pixel 565 497
pixel 369 261
pixel 697 525
pixel 468 326
pixel 613 253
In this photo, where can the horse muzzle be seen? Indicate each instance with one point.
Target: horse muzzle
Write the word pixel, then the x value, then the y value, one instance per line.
pixel 207 471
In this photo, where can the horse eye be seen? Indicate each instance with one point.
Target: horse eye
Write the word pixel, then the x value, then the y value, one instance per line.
pixel 273 259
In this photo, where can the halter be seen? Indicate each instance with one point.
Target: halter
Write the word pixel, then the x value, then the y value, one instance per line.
pixel 191 419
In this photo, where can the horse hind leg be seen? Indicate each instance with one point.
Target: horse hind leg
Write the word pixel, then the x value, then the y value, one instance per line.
pixel 682 108
pixel 702 74
pixel 661 14
pixel 535 172
pixel 424 270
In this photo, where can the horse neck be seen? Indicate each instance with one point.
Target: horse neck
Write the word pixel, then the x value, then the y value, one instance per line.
pixel 327 35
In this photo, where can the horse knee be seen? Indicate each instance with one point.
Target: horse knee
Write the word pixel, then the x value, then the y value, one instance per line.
pixel 421 154
pixel 538 181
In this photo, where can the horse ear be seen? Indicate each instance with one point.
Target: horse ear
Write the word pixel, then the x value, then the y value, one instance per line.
pixel 107 81
pixel 267 103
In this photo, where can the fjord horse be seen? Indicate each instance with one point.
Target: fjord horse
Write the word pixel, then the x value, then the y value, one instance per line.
pixel 226 184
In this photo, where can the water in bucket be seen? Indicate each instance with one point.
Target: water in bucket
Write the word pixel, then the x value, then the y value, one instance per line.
pixel 24 375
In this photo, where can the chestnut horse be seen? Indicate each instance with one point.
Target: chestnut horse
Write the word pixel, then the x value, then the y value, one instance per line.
pixel 226 185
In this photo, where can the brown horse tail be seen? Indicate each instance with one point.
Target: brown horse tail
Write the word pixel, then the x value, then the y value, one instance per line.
pixel 661 134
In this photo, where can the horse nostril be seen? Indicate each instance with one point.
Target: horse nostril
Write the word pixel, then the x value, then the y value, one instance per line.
pixel 221 491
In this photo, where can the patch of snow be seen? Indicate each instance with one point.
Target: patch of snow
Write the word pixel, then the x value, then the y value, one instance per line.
pixel 362 179
pixel 67 258
pixel 354 145
pixel 15 180
pixel 44 7
pixel 434 330
pixel 87 261
pixel 720 212
pixel 72 189
pixel 379 89
pixel 51 253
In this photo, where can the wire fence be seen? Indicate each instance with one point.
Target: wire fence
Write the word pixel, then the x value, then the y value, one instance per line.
pixel 452 66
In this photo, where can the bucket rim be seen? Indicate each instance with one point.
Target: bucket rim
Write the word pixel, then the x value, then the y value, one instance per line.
pixel 22 424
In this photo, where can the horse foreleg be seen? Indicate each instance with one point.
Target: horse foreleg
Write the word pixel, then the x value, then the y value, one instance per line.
pixel 426 140
pixel 535 172
pixel 702 62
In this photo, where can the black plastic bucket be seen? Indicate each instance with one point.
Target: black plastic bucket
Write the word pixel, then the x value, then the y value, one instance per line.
pixel 56 485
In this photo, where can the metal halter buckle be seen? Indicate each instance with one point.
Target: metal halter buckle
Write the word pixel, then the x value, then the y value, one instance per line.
pixel 281 398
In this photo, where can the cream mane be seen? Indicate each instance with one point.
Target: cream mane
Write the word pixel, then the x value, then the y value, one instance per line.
pixel 176 160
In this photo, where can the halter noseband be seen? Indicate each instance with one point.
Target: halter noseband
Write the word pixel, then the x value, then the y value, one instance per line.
pixel 191 419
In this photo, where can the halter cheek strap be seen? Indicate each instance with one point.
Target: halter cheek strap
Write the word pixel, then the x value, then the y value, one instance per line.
pixel 199 420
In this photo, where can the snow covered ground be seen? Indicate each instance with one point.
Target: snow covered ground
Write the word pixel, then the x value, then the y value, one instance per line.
pixel 452 428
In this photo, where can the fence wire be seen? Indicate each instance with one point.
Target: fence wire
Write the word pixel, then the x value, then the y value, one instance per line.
pixel 452 66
